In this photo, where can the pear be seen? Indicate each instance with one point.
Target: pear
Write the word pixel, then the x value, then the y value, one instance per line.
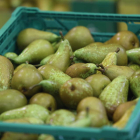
pixel 92 103
pixel 27 36
pixel 81 70
pixel 97 53
pixel 73 91
pixel 50 72
pixel 46 59
pixel 134 55
pixel 45 137
pixel 35 52
pixel 122 108
pixel 61 59
pixel 31 110
pixel 25 78
pixel 110 59
pixel 79 37
pixel 61 117
pixel 98 83
pixel 45 100
pixel 10 55
pixel 7 102
pixel 127 39
pixel 135 83
pixel 114 71
pixel 124 119
pixel 22 136
pixel 19 67
pixel 97 118
pixel 76 60
pixel 135 67
pixel 6 73
pixel 115 94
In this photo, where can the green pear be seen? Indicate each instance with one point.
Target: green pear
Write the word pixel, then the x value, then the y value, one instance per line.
pixel 97 53
pixel 92 103
pixel 76 60
pixel 135 83
pixel 6 73
pixel 45 137
pixel 73 91
pixel 25 78
pixel 19 67
pixel 31 110
pixel 114 71
pixel 22 136
pixel 7 102
pixel 135 67
pixel 50 72
pixel 115 94
pixel 10 55
pixel 46 59
pixel 34 52
pixel 127 39
pixel 79 37
pixel 61 117
pixel 45 100
pixel 134 55
pixel 61 59
pixel 97 119
pixel 81 70
pixel 27 36
pixel 98 83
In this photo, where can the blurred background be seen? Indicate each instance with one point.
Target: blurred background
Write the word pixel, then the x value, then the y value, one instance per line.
pixel 92 6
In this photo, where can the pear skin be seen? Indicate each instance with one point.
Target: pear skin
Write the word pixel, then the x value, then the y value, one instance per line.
pixel 29 35
pixel 97 53
pixel 122 108
pixel 135 67
pixel 115 94
pixel 10 55
pixel 127 39
pixel 6 73
pixel 81 70
pixel 35 52
pixel 79 37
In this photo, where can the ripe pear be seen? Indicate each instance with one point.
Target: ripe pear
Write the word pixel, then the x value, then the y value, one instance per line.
pixel 10 55
pixel 135 67
pixel 97 53
pixel 73 91
pixel 81 70
pixel 7 102
pixel 25 78
pixel 31 110
pixel 122 108
pixel 97 118
pixel 92 103
pixel 135 83
pixel 127 39
pixel 79 37
pixel 45 137
pixel 6 73
pixel 98 83
pixel 61 117
pixel 134 55
pixel 27 36
pixel 124 119
pixel 45 100
pixel 114 71
pixel 19 67
pixel 115 94
pixel 61 59
pixel 35 52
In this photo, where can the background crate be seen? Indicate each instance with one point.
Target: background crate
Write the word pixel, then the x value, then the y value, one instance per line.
pixel 59 21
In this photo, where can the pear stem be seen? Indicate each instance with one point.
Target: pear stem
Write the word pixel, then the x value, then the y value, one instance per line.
pixel 102 70
pixel 118 49
pixel 61 35
pixel 30 88
pixel 87 111
pixel 100 65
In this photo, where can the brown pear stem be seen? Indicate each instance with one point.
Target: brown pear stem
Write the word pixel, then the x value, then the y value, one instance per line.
pixel 87 111
pixel 102 70
pixel 100 65
pixel 118 49
pixel 61 34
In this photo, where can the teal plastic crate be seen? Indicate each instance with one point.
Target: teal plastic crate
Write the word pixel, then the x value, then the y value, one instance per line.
pixel 63 21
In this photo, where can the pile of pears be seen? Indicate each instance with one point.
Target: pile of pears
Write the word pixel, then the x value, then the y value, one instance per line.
pixel 69 80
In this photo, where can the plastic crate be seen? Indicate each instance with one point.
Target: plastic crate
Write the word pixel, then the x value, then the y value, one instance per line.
pixel 63 21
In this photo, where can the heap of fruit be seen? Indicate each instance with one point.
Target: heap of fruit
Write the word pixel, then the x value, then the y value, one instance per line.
pixel 69 81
